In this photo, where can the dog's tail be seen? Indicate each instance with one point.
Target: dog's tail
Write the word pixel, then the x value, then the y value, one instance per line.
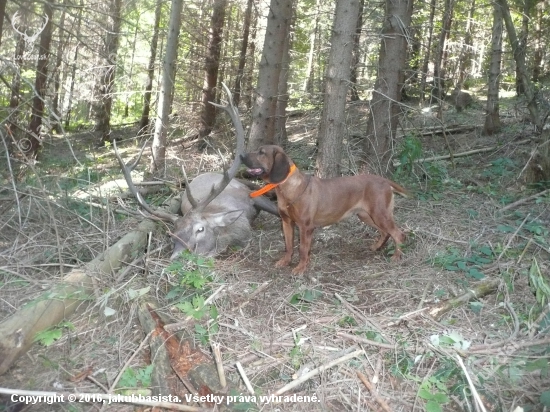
pixel 399 189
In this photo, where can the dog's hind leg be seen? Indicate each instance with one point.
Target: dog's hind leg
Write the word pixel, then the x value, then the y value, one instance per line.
pixel 387 227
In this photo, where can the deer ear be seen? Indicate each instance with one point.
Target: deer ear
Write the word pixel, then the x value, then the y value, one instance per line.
pixel 224 218
pixel 280 169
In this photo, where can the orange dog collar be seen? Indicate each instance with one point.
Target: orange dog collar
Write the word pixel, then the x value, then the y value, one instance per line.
pixel 271 186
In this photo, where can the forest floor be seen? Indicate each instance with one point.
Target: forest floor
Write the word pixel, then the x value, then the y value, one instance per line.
pixel 281 326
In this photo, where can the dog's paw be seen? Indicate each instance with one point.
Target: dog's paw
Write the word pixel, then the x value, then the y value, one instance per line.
pixel 300 269
pixel 284 261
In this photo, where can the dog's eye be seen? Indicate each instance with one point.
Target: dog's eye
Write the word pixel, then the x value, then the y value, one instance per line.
pixel 200 230
pixel 261 151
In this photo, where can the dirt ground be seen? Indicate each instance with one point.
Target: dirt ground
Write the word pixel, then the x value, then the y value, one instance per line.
pixel 281 326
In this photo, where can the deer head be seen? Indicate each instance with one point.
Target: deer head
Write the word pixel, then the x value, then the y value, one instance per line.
pixel 196 229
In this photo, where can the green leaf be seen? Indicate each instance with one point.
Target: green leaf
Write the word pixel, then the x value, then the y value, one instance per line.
pixel 48 336
pixel 461 265
pixel 545 398
pixel 486 250
pixel 476 307
pixel 505 228
pixel 452 268
pixel 433 406
pixel 425 394
pixel 476 274
pixel 441 398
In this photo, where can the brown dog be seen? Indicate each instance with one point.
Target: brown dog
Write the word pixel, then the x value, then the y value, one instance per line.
pixel 310 202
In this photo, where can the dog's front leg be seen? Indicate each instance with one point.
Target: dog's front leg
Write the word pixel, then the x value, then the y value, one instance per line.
pixel 288 232
pixel 306 238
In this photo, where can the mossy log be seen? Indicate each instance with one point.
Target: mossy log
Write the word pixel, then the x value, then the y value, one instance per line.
pixel 482 289
pixel 18 331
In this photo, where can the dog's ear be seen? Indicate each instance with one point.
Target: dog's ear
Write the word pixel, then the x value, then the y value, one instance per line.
pixel 280 169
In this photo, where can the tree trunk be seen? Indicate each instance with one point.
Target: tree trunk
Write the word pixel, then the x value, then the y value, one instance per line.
pixel 519 57
pixel 105 82
pixel 384 106
pixel 522 44
pixel 2 16
pixel 539 42
pixel 439 70
pixel 492 118
pixel 211 67
pixel 158 159
pixel 129 83
pixel 281 137
pixel 71 87
pixel 144 122
pixel 242 55
pixel 262 130
pixel 332 123
pixel 35 124
pixel 55 116
pixel 356 56
pixel 466 53
pixel 15 96
pixel 426 62
pixel 310 72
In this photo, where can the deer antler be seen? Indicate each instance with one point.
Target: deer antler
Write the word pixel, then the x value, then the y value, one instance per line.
pixel 229 174
pixel 127 171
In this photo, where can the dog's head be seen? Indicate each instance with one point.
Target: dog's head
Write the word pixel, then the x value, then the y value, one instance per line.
pixel 270 163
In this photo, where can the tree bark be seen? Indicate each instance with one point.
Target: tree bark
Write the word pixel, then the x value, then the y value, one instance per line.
pixel 356 56
pixel 55 116
pixel 439 70
pixel 158 159
pixel 332 123
pixel 2 16
pixel 281 137
pixel 466 53
pixel 15 96
pixel 310 72
pixel 522 44
pixel 492 117
pixel 211 67
pixel 384 106
pixel 262 130
pixel 144 122
pixel 539 42
pixel 242 54
pixel 426 62
pixel 35 124
pixel 105 82
pixel 519 57
pixel 129 83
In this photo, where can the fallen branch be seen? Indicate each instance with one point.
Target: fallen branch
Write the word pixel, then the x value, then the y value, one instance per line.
pixel 482 289
pixel 317 371
pixel 524 200
pixel 477 398
pixel 373 392
pixel 18 331
pixel 359 339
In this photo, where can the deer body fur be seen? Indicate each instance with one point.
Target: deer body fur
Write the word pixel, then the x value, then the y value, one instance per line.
pixel 225 221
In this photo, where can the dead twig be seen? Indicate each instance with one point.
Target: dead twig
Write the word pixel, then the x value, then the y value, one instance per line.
pixel 524 200
pixel 318 370
pixel 359 339
pixel 479 403
pixel 373 392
